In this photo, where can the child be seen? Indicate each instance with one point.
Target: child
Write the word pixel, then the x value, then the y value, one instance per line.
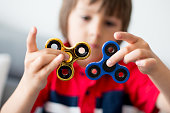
pixel 94 22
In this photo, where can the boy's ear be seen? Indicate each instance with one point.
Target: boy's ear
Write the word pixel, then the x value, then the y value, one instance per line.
pixel 31 40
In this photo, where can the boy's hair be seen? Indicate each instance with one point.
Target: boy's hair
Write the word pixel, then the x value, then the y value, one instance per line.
pixel 120 8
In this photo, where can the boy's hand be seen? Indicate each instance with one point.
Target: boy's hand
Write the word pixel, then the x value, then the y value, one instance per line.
pixel 137 51
pixel 40 63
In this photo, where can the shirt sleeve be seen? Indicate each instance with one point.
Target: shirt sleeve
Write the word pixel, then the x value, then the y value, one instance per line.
pixel 141 90
pixel 43 95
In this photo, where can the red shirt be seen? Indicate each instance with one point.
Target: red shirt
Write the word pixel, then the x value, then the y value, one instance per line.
pixel 81 94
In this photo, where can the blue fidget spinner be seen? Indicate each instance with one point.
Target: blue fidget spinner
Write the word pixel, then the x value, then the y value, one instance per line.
pixel 95 70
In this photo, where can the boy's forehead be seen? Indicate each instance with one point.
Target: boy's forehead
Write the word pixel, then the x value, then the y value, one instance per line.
pixel 85 5
pixel 97 6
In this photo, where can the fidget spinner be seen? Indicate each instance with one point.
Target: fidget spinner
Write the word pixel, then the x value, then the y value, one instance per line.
pixel 80 51
pixel 95 70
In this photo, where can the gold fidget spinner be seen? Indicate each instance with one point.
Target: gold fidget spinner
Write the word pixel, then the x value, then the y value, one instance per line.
pixel 80 51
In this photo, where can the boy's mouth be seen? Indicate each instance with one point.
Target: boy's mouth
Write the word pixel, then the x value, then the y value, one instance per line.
pixel 94 45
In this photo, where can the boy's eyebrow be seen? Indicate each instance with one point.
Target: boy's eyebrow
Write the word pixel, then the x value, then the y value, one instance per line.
pixel 87 9
pixel 91 11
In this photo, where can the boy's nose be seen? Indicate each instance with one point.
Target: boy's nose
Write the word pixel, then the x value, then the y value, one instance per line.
pixel 95 30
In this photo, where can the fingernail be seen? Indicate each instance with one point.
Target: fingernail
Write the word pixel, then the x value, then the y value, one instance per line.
pixel 117 35
pixel 32 30
pixel 59 57
pixel 124 61
pixel 109 63
pixel 139 63
pixel 67 56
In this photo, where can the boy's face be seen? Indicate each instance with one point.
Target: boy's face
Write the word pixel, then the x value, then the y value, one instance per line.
pixel 86 23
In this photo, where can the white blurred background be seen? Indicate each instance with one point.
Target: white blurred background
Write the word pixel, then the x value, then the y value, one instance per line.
pixel 150 20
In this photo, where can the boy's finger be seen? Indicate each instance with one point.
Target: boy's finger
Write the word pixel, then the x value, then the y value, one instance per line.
pixel 126 37
pixel 55 52
pixel 52 65
pixel 115 58
pixel 118 56
pixel 47 51
pixel 136 55
pixel 42 61
pixel 146 65
pixel 31 40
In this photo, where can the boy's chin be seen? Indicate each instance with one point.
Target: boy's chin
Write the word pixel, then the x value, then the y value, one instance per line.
pixel 93 58
pixel 90 59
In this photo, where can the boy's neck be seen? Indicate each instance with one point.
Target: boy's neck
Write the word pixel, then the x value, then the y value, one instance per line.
pixel 81 63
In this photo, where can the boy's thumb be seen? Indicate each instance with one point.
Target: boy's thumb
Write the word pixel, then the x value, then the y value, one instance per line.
pixel 31 40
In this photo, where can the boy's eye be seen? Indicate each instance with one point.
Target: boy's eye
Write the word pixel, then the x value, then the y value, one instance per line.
pixel 86 18
pixel 108 23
